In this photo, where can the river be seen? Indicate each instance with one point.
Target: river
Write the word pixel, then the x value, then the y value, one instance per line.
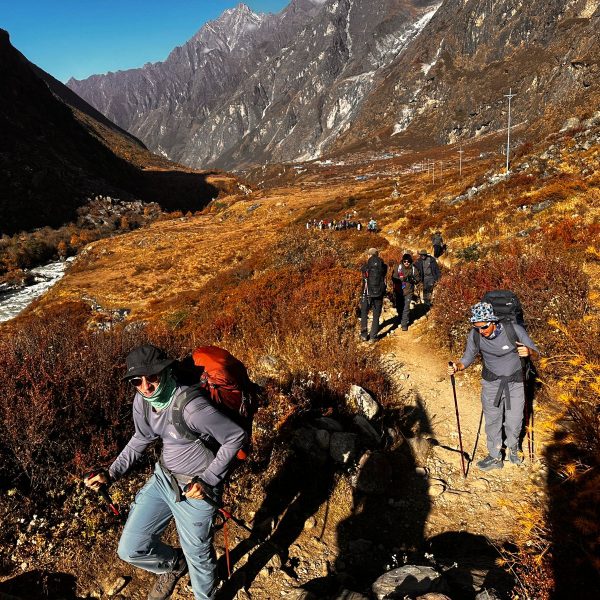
pixel 13 301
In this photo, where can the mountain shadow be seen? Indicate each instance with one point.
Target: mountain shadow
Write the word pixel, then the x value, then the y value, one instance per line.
pixel 53 156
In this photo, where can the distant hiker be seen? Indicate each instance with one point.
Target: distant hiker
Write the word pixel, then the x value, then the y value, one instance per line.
pixel 373 272
pixel 502 390
pixel 359 226
pixel 429 273
pixel 438 244
pixel 149 371
pixel 372 225
pixel 404 278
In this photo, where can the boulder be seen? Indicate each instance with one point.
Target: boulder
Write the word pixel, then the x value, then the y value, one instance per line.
pixel 488 595
pixel 348 595
pixel 328 423
pixel 420 448
pixel 323 438
pixel 366 428
pixel 408 580
pixel 571 123
pixel 343 447
pixel 305 439
pixel 362 401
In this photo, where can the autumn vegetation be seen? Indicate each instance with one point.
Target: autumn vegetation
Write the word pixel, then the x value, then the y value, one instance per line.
pixel 287 306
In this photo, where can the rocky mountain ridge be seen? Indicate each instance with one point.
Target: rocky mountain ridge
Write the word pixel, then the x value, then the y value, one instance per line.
pixel 252 88
pixel 330 76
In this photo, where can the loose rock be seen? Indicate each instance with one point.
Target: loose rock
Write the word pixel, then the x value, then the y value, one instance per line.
pixel 363 401
pixel 343 447
pixel 407 580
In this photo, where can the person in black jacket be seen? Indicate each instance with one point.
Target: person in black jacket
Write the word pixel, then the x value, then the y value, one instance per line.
pixel 438 244
pixel 404 278
pixel 429 272
pixel 374 272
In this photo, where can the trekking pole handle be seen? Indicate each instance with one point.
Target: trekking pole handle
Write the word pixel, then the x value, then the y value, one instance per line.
pixel 102 490
pixel 210 499
pixel 209 495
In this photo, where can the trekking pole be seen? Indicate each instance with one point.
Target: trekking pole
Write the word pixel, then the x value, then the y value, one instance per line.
pixel 532 455
pixel 103 493
pixel 462 454
pixel 226 515
pixel 527 429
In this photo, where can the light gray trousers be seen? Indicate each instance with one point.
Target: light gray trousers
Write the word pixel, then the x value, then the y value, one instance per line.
pixel 497 417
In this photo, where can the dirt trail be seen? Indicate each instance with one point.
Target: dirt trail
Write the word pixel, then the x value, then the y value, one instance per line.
pixel 483 503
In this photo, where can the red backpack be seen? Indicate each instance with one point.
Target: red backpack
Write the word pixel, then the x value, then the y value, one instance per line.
pixel 226 379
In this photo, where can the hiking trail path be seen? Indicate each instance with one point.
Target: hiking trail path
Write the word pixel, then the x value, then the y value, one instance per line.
pixel 483 503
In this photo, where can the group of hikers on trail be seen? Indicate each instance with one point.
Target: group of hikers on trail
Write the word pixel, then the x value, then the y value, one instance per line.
pixel 203 418
pixel 498 335
pixel 346 223
pixel 334 225
pixel 406 276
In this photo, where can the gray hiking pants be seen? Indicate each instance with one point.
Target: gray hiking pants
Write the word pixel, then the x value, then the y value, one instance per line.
pixel 497 417
pixel 365 305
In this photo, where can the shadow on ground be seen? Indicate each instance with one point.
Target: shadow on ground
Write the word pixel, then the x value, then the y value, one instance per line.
pixel 40 585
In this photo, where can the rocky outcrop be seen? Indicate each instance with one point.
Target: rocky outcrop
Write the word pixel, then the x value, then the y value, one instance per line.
pixel 450 84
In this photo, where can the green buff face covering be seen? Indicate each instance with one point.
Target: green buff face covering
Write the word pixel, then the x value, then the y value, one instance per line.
pixel 164 392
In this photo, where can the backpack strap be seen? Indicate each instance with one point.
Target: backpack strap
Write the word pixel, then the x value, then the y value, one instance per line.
pixel 476 340
pixel 513 338
pixel 179 403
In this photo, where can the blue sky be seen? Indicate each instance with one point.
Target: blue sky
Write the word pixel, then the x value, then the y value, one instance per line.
pixel 82 37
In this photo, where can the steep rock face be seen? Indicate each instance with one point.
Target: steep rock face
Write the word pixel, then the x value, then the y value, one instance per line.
pixel 250 88
pixel 450 84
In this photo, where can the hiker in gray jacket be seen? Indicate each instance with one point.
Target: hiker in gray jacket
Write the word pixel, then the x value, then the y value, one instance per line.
pixel 182 459
pixel 429 273
pixel 502 389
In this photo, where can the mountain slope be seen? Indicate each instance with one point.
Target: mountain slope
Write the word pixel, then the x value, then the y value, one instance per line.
pixel 450 83
pixel 55 151
pixel 333 76
pixel 251 88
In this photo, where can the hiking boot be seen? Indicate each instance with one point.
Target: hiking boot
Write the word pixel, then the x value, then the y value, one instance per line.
pixel 165 583
pixel 404 327
pixel 514 456
pixel 489 463
pixel 364 337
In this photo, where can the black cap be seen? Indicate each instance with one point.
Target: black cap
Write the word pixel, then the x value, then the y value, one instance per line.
pixel 146 360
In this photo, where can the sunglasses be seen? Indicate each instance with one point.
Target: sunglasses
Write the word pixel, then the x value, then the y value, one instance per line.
pixel 137 381
pixel 482 327
pixel 407 262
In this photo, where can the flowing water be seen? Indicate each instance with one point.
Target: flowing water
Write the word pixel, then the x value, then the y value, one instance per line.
pixel 13 301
